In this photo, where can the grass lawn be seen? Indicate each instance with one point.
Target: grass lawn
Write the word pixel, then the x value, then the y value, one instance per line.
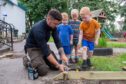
pixel 109 44
pixel 116 45
pixel 112 63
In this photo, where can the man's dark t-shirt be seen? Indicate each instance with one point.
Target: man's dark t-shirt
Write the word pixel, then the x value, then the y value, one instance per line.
pixel 39 36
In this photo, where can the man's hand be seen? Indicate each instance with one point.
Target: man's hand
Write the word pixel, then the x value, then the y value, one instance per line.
pixel 61 67
pixel 96 42
pixel 64 58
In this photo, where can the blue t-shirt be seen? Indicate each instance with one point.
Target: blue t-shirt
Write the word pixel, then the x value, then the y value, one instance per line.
pixel 75 26
pixel 64 32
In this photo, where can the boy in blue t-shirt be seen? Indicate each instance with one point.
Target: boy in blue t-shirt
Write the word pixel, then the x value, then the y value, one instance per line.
pixel 65 34
pixel 75 23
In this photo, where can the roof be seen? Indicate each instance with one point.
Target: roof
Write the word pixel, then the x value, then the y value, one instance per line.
pixel 96 13
pixel 11 2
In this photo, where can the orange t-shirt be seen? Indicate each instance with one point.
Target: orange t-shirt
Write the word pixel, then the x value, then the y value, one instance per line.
pixel 89 29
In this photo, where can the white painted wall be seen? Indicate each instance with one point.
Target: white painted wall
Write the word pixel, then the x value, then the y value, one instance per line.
pixel 15 16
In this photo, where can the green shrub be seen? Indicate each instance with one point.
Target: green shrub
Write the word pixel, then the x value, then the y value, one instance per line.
pixel 102 43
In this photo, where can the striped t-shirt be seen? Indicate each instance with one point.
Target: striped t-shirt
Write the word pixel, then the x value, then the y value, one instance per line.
pixel 75 26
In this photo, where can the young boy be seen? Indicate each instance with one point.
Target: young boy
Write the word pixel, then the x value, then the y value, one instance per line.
pixel 75 23
pixel 65 34
pixel 89 35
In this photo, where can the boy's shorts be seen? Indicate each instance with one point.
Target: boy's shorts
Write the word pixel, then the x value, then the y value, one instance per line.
pixel 67 50
pixel 89 44
pixel 75 42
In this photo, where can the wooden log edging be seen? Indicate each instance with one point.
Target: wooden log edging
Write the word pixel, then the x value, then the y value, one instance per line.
pixel 86 82
pixel 92 77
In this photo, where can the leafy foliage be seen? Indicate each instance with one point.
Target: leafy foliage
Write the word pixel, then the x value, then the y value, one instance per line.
pixel 110 7
pixel 122 12
pixel 102 43
pixel 37 9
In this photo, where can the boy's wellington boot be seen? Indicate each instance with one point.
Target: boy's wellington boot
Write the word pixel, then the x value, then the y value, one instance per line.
pixel 84 65
pixel 76 59
pixel 71 60
pixel 89 63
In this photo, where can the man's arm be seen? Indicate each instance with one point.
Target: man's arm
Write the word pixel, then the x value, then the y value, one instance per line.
pixel 52 60
pixel 58 45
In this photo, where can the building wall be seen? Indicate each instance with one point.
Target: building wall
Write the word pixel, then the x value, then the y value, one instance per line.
pixel 15 16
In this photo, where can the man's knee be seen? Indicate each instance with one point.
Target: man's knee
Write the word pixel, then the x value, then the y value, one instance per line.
pixel 42 70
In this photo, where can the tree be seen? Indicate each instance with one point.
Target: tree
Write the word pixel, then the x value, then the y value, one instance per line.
pixel 110 8
pixel 37 9
pixel 122 4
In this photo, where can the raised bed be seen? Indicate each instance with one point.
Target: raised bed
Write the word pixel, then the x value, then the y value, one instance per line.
pixel 85 82
pixel 90 77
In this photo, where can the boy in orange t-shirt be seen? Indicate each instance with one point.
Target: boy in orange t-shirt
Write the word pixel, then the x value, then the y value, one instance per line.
pixel 89 35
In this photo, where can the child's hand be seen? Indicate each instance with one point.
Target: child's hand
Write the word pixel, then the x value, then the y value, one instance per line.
pixel 78 46
pixel 71 42
pixel 96 42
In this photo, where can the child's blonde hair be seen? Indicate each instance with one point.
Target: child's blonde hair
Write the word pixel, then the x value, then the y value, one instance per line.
pixel 85 10
pixel 74 11
pixel 64 15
